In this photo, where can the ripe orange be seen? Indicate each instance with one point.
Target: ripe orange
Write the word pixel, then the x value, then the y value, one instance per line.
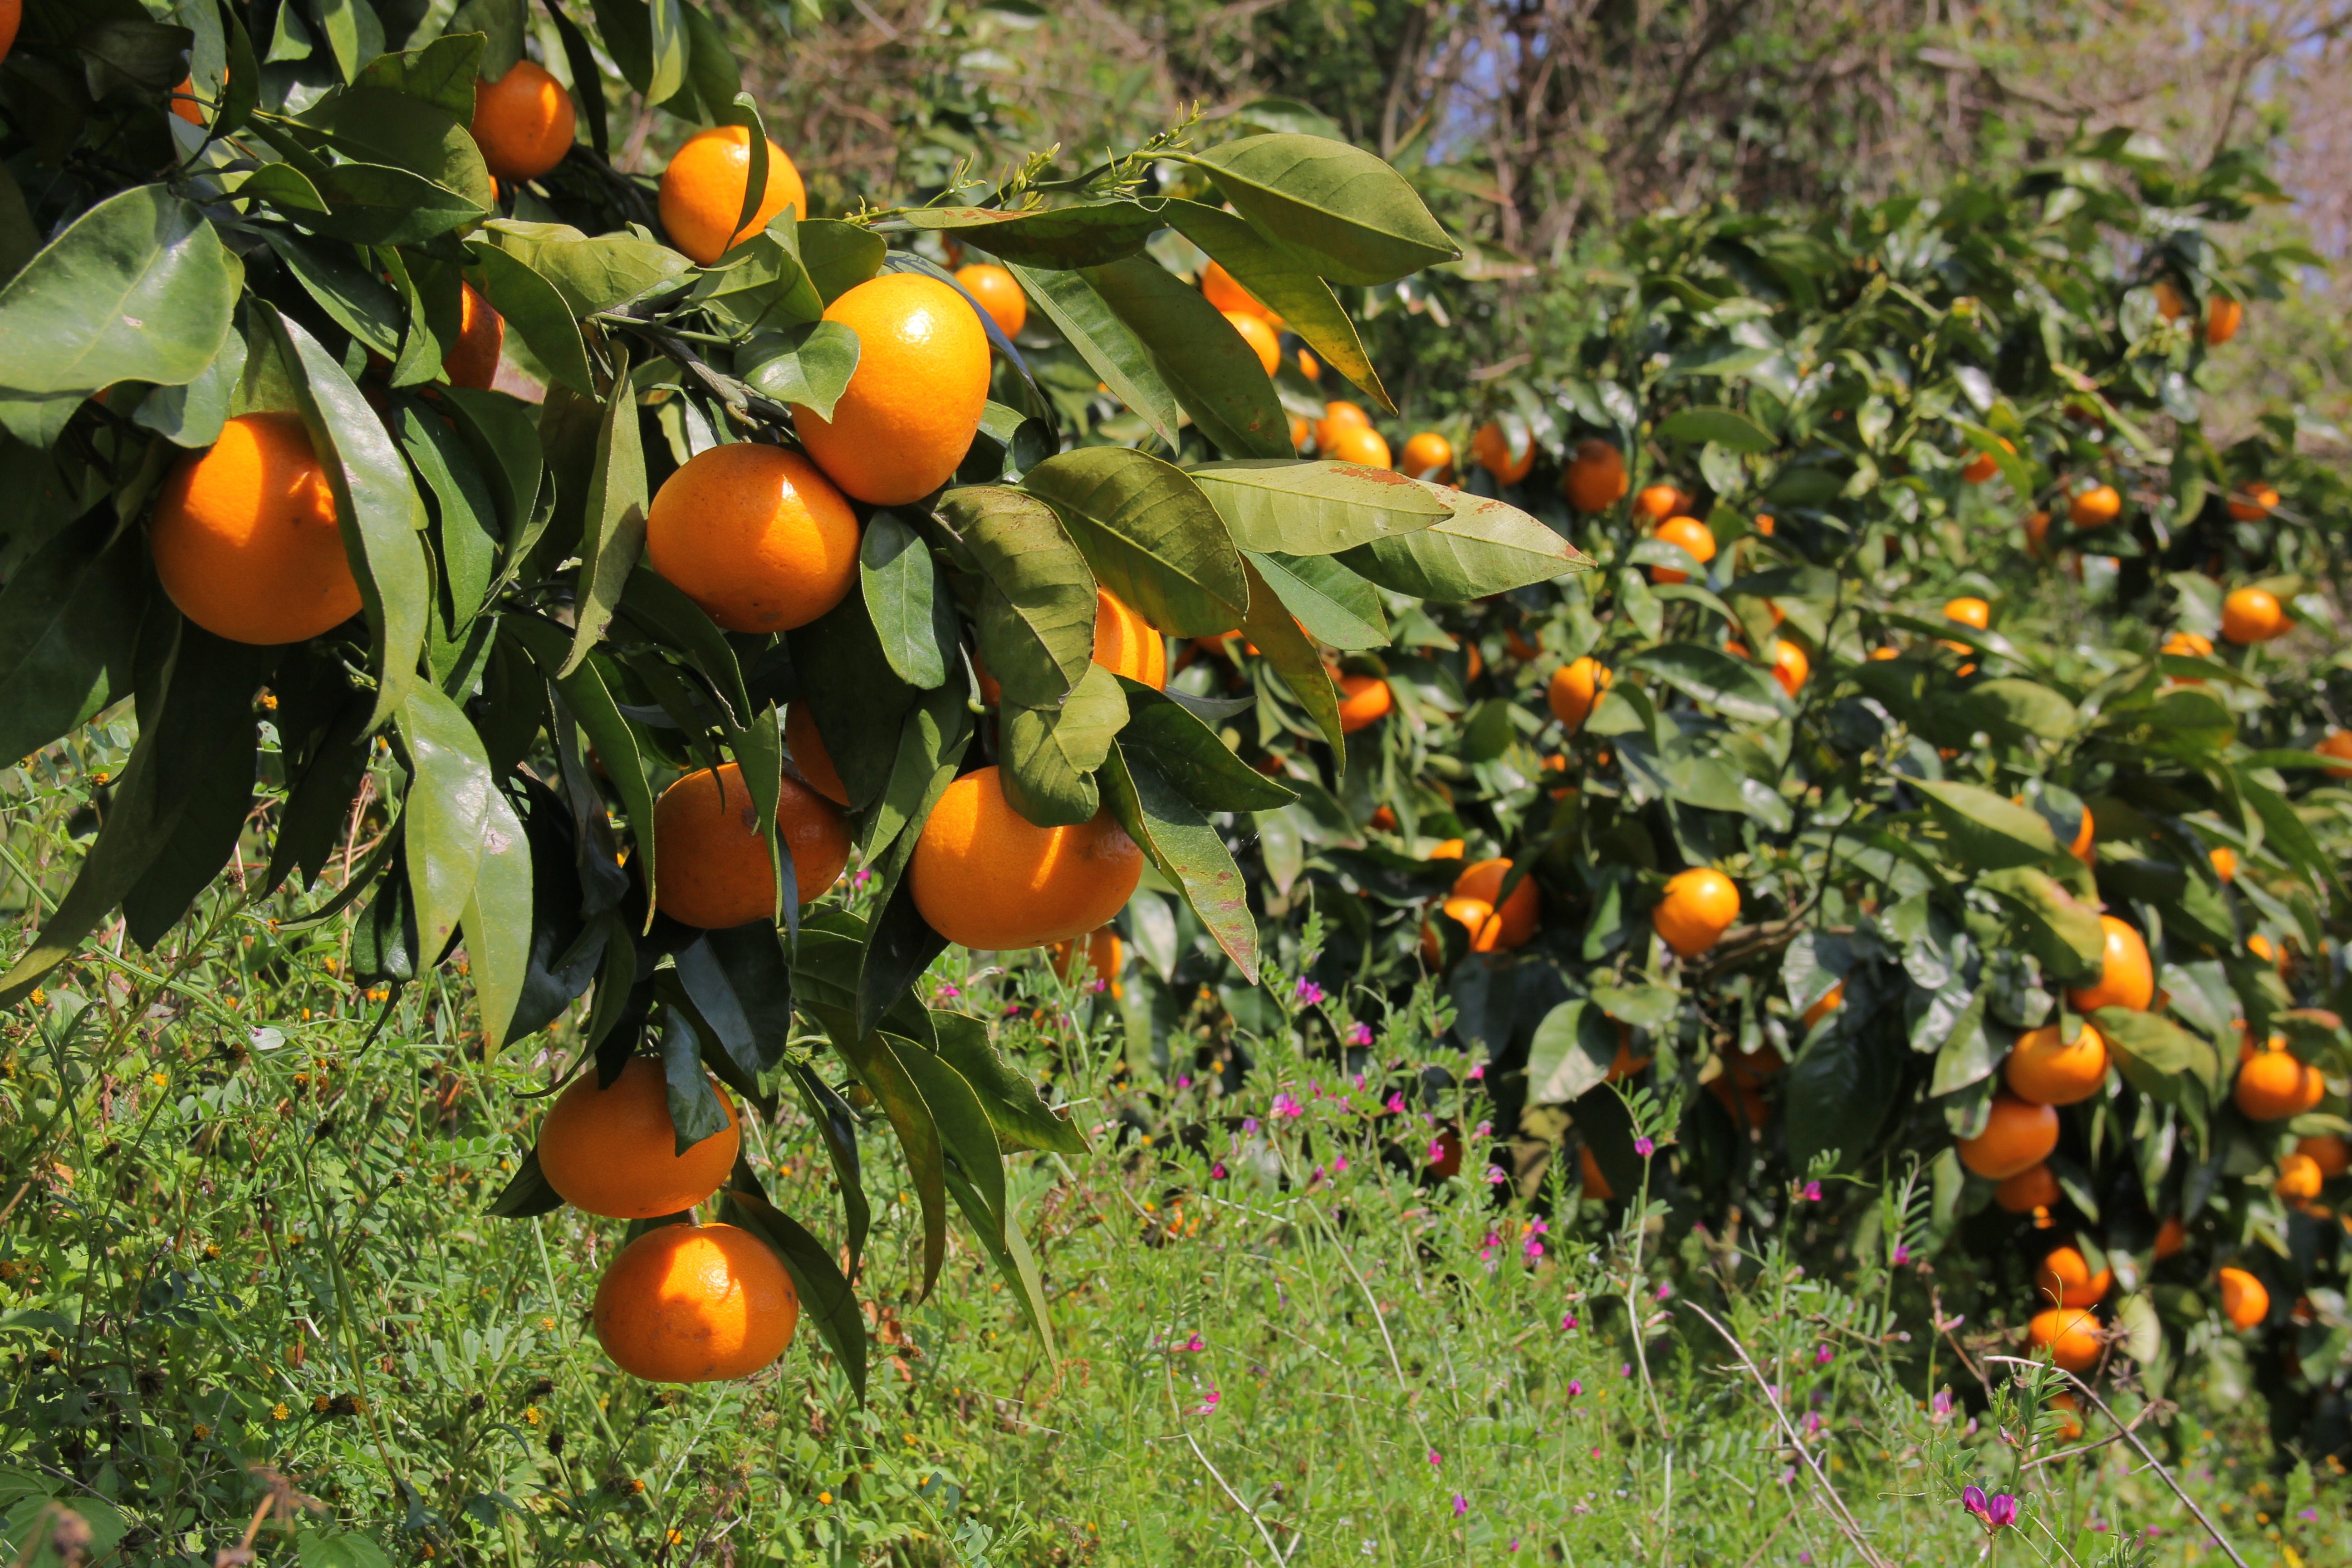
pixel 808 754
pixel 2222 319
pixel 2328 1150
pixel 909 415
pixel 1338 415
pixel 2037 533
pixel 703 195
pixel 2225 863
pixel 1428 456
pixel 755 535
pixel 614 1152
pixel 2095 506
pixel 473 359
pixel 1357 444
pixel 1625 1064
pixel 1749 1068
pixel 2337 743
pixel 2047 1070
pixel 1741 1101
pixel 1575 690
pixel 1309 366
pixel 184 96
pixel 2085 839
pixel 687 1304
pixel 2070 1415
pixel 2019 1133
pixel 2299 1179
pixel 1973 613
pixel 1363 699
pixel 712 866
pixel 2070 1336
pixel 2065 1279
pixel 999 293
pixel 2274 1084
pixel 2170 1237
pixel 245 537
pixel 1659 502
pixel 2171 302
pixel 12 14
pixel 1830 1002
pixel 2245 1300
pixel 987 877
pixel 1260 338
pixel 1226 294
pixel 1596 1185
pixel 1445 849
pixel 1299 431
pixel 1699 906
pixel 2262 948
pixel 523 124
pixel 1516 918
pixel 2253 616
pixel 1984 465
pixel 2032 1188
pixel 1492 449
pixel 2253 503
pixel 1595 479
pixel 2127 979
pixel 1789 665
pixel 1764 524
pixel 1125 644
pixel 1690 533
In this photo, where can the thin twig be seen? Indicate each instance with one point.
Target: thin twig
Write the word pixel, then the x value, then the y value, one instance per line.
pixel 1263 1533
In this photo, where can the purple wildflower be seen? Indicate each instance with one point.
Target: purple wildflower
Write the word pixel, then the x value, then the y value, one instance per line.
pixel 1625 1369
pixel 1208 1406
pixel 1902 1255
pixel 1309 993
pixel 1496 1176
pixel 1823 1355
pixel 1287 1104
pixel 1972 1498
pixel 1435 1458
pixel 1666 1291
pixel 2001 1511
pixel 1575 1387
pixel 948 992
pixel 1396 1104
pixel 1249 1124
pixel 1477 1072
pixel 1338 1163
pixel 1217 1171
pixel 1461 1505
pixel 1644 1148
pixel 1567 1323
pixel 1436 1150
pixel 1812 1192
pixel 1195 1343
pixel 1359 1035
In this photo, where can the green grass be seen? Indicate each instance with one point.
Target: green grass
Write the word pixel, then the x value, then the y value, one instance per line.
pixel 244 1249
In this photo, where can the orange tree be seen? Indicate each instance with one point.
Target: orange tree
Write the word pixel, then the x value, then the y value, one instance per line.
pixel 1917 779
pixel 793 499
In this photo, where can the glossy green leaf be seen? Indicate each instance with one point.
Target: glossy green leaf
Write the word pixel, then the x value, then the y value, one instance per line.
pixel 442 73
pixel 857 699
pixel 1572 1051
pixel 1150 535
pixel 450 821
pixel 375 203
pixel 1189 756
pixel 2061 932
pixel 931 742
pixel 2156 1043
pixel 498 919
pixel 1722 426
pixel 1270 629
pixel 1330 601
pixel 1085 234
pixel 614 536
pixel 1297 507
pixel 808 365
pixel 965 1131
pixel 902 590
pixel 839 255
pixel 601 272
pixel 1486 546
pixel 69 631
pixel 876 1064
pixel 1286 282
pixel 1214 374
pixel 1051 753
pixel 696 1111
pixel 825 1294
pixel 527 1193
pixel 1036 617
pixel 2013 707
pixel 1186 849
pixel 385 125
pixel 535 311
pixel 1015 1107
pixel 352 296
pixel 1109 345
pixel 1353 217
pixel 1989 831
pixel 1733 687
pixel 1836 1096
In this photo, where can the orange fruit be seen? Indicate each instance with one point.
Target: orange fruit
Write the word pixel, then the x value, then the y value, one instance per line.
pixel 695 1303
pixel 1742 1100
pixel 909 415
pixel 2222 319
pixel 1575 690
pixel 1309 366
pixel 2253 503
pixel 1338 415
pixel 1596 1185
pixel 2274 1084
pixel 2171 303
pixel 1103 952
pixel 2188 645
pixel 1517 918
pixel 245 538
pixel 1445 849
pixel 1475 916
pixel 2070 1334
pixel 1748 1068
pixel 712 866
pixel 1363 699
pixel 987 877
pixel 2326 1151
pixel 1427 456
pixel 2337 743
pixel 1357 444
pixel 999 293
pixel 12 14
pixel 1492 449
pixel 2065 1279
pixel 1984 465
pixel 1260 338
pixel 1789 665
pixel 703 195
pixel 2261 947
pixel 2047 1070
pixel 2018 1134
pixel 2032 1188
pixel 2299 1179
pixel 1625 1064
pixel 2170 1237
pixel 1690 533
pixel 1125 644
pixel 2225 863
pixel 1595 479
pixel 2253 616
pixel 1764 524
pixel 1973 613
pixel 1699 906
pixel 473 359
pixel 1226 295
pixel 2070 1415
pixel 614 1152
pixel 1830 1002
pixel 522 122
pixel 2095 506
pixel 808 754
pixel 755 535
pixel 2126 979
pixel 2037 533
pixel 184 96
pixel 2085 837
pixel 1659 502
pixel 2245 1300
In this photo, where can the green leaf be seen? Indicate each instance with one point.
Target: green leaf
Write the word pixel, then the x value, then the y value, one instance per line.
pixel 1110 348
pixel 535 310
pixel 375 203
pixel 857 699
pixel 217 799
pixel 351 295
pixel 385 125
pixel 588 697
pixel 2011 707
pixel 1087 234
pixel 69 631
pixel 1186 849
pixel 653 602
pixel 377 504
pixel 1214 374
pixel 2157 1045
pixel 1293 507
pixel 965 1131
pixel 615 535
pixel 809 364
pixel 448 815
pixel 1149 536
pixel 1572 1051
pixel 345 1548
pixel 528 1194
pixel 1989 831
pixel 442 73
pixel 1285 281
pixel 1269 628
pixel 1331 602
pixel 498 919
pixel 1837 1094
pixel 1733 687
pixel 1189 756
pixel 139 288
pixel 1051 753
pixel 902 589
pixel 1015 1107
pixel 467 532
pixel 695 1111
pixel 1354 220
pixel 1036 618
pixel 1486 546
pixel 877 1066
pixel 593 274
pixel 2061 933
pixel 838 256
pixel 1724 426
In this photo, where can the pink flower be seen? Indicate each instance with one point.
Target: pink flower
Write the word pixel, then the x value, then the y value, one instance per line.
pixel 1902 1255
pixel 1436 1150
pixel 860 880
pixel 1217 1171
pixel 1575 1387
pixel 1940 1407
pixel 1496 1176
pixel 1568 1324
pixel 1812 1192
pixel 1359 1035
pixel 1396 1104
pixel 1666 1291
pixel 1309 993
pixel 1644 1148
pixel 1195 1343
pixel 1338 1163
pixel 1285 1104
pixel 1098 985
pixel 1625 1369
pixel 1812 1422
pixel 1461 1505
pixel 1484 1129
pixel 948 992
pixel 1823 1355
pixel 1185 1081
pixel 1435 1458
pixel 1208 1406
pixel 1249 1124
pixel 1477 1072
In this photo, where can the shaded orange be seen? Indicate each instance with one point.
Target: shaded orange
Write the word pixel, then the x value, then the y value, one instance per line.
pixel 1595 478
pixel 1690 533
pixel 1103 952
pixel 1789 665
pixel 1659 502
pixel 2253 616
pixel 2095 506
pixel 1829 1002
pixel 999 293
pixel 703 196
pixel 245 538
pixel 1518 917
pixel 712 866
pixel 2299 1179
pixel 2222 316
pixel 1698 906
pixel 2047 1070
pixel 1595 1185
pixel 473 359
pixel 806 745
pixel 1427 456
pixel 2126 978
pixel 2328 1150
pixel 2070 1334
pixel 1973 613
pixel 522 122
pixel 614 1152
pixel 1355 444
pixel 2018 1133
pixel 1226 294
pixel 908 416
pixel 988 877
pixel 2337 743
pixel 2225 863
pixel 1260 338
pixel 1363 699
pixel 1575 690
pixel 755 535
pixel 184 96
pixel 2065 1279
pixel 2170 1237
pixel 1491 449
pixel 2274 1084
pixel 2245 1300
pixel 687 1303
pixel 1125 644
pixel 2253 503
pixel 2032 1188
